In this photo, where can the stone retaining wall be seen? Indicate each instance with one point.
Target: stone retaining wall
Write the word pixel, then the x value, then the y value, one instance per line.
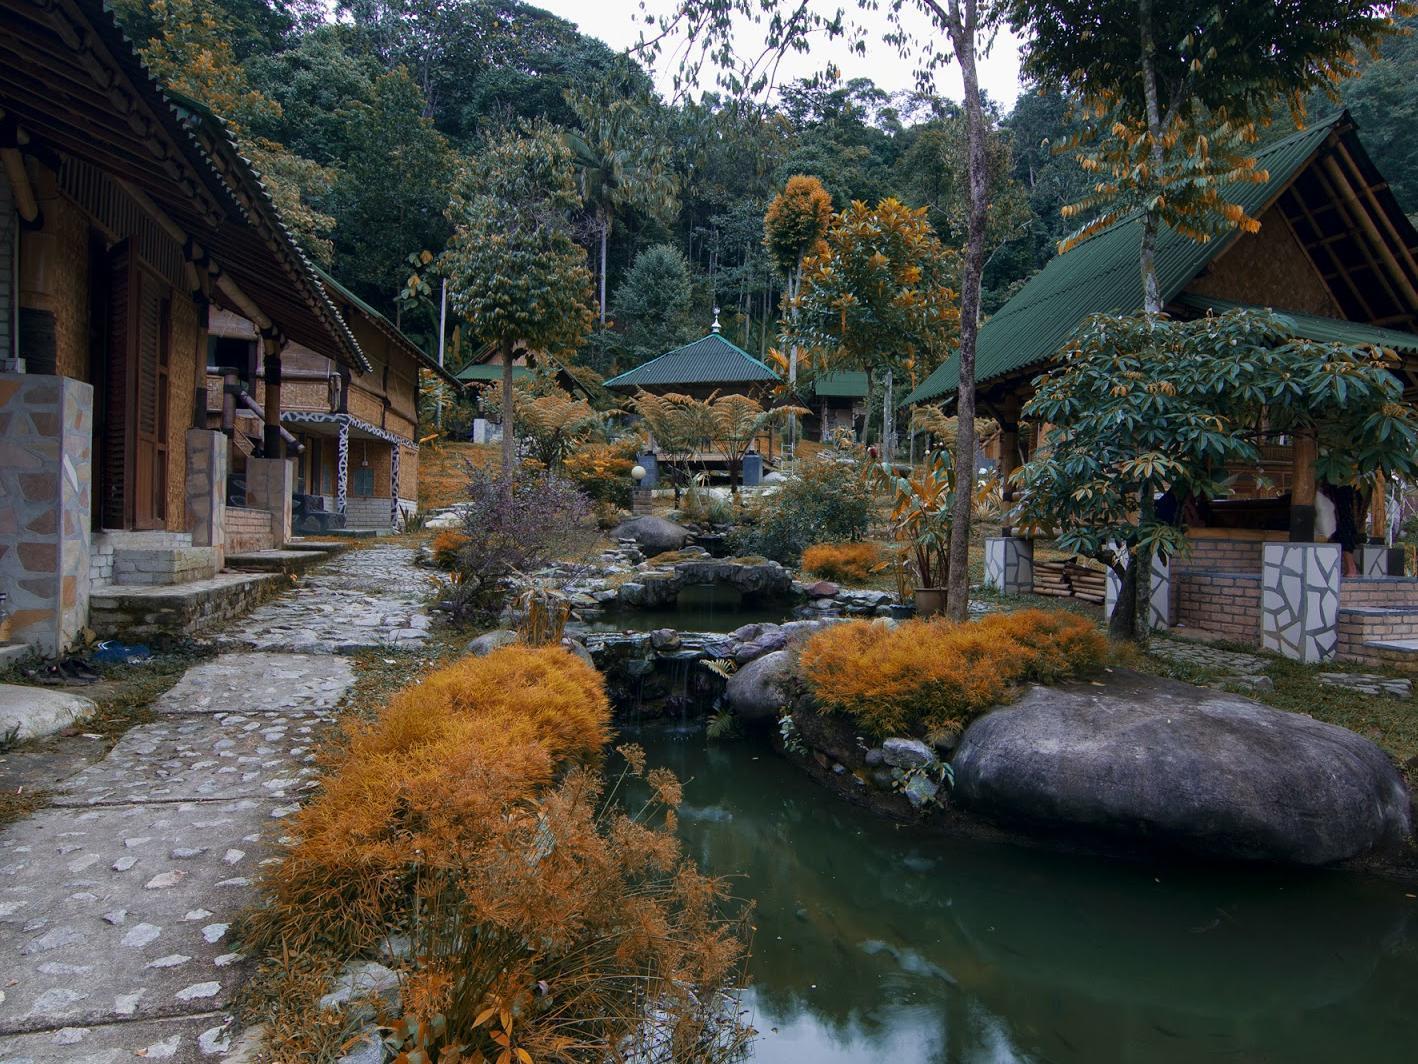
pixel 148 612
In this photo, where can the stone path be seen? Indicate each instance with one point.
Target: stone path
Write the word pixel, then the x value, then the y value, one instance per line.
pixel 1244 670
pixel 370 597
pixel 116 901
pixel 1369 684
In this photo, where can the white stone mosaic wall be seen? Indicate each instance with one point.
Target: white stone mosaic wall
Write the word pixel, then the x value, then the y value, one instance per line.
pixel 1299 610
pixel 1009 564
pixel 1159 595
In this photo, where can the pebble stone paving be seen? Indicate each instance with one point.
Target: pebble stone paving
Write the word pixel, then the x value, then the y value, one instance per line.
pixel 1249 670
pixel 117 900
pixel 370 597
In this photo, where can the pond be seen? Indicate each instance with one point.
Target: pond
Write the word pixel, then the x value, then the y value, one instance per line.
pixel 699 608
pixel 876 942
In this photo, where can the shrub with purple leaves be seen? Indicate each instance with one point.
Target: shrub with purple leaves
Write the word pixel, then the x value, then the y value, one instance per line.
pixel 515 525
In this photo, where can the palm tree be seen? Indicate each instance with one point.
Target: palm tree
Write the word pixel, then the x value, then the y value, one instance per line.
pixel 615 155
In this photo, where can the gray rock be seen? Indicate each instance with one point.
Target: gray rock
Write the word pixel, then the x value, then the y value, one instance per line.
pixel 362 979
pixel 822 589
pixel 369 1049
pixel 771 640
pixel 32 712
pixel 1170 766
pixel 655 535
pixel 946 741
pixel 875 757
pixel 489 641
pixel 759 690
pixel 580 651
pixel 664 639
pixel 906 753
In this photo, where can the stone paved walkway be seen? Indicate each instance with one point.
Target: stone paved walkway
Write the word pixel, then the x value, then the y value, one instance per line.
pixel 116 901
pixel 369 597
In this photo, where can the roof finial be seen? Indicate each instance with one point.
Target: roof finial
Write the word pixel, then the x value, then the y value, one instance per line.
pixel 716 321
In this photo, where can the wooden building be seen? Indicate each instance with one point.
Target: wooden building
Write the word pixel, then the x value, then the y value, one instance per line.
pixel 129 223
pixel 1337 257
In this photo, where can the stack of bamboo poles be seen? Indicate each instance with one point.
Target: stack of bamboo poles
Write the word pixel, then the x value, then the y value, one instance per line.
pixel 1069 579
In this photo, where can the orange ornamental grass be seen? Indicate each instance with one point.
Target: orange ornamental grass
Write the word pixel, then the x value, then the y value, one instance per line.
pixel 846 563
pixel 924 676
pixel 446 545
pixel 544 917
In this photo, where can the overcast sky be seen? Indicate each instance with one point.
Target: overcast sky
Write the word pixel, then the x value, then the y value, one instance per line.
pixel 617 22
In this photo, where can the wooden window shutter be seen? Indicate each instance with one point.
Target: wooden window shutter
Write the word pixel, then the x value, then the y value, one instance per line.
pixel 116 481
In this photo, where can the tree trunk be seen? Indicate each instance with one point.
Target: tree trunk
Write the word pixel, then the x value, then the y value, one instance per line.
pixel 605 239
pixel 1122 624
pixel 794 286
pixel 1147 254
pixel 888 421
pixel 1142 582
pixel 509 441
pixel 963 25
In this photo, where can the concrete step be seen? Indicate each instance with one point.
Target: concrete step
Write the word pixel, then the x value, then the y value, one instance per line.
pixel 144 566
pixel 276 561
pixel 178 609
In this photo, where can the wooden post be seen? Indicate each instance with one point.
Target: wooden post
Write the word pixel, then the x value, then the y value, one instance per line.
pixel 1378 509
pixel 1303 451
pixel 273 445
pixel 231 387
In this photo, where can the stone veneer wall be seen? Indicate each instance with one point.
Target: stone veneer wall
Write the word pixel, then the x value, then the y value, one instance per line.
pixel 1300 600
pixel 46 442
pixel 1226 603
pixel 1009 564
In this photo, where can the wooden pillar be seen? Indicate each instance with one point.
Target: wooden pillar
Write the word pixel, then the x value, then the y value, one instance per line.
pixel 231 388
pixel 1008 463
pixel 273 445
pixel 1304 450
pixel 1378 509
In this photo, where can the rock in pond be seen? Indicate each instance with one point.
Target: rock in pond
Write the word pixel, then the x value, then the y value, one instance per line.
pixel 655 535
pixel 906 753
pixel 759 690
pixel 1165 765
pixel 489 641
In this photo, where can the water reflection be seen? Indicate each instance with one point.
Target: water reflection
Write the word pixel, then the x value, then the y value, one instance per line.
pixel 699 608
pixel 875 943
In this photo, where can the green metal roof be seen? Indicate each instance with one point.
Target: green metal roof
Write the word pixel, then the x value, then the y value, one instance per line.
pixel 490 371
pixel 1313 327
pixel 844 384
pixel 709 360
pixel 1101 276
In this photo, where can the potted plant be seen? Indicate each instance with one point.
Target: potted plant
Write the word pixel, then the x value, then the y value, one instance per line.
pixel 920 521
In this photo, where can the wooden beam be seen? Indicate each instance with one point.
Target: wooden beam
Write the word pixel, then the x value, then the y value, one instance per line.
pixel 1373 200
pixel 1340 272
pixel 1304 450
pixel 25 202
pixel 1360 211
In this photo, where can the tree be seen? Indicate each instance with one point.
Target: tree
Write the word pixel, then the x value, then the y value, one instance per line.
pixel 679 426
pixel 393 188
pixel 1174 94
pixel 794 225
pixel 1143 405
pixel 652 302
pixel 878 296
pixel 738 420
pixel 553 423
pixel 790 28
pixel 619 166
pixel 515 274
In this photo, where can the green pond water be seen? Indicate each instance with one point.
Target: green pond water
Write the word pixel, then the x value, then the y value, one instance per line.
pixel 698 609
pixel 879 943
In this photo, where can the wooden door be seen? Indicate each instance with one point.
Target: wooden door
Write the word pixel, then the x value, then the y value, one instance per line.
pixel 134 441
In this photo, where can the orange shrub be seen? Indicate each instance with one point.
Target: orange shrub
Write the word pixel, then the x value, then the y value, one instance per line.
pixel 446 545
pixel 923 676
pixel 846 563
pixel 470 814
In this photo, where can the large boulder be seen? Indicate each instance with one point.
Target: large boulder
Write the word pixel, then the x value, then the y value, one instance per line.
pixel 761 689
pixel 486 643
pixel 1169 766
pixel 654 535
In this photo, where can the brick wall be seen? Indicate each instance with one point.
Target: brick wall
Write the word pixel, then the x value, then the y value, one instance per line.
pixel 1223 556
pixel 1225 603
pixel 247 530
pixel 1378 591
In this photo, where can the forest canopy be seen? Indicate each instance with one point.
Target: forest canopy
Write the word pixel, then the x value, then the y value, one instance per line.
pixel 363 120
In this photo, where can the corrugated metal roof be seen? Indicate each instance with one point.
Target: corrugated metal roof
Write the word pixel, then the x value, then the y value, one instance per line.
pixel 709 360
pixel 844 384
pixel 1101 276
pixel 490 371
pixel 1313 327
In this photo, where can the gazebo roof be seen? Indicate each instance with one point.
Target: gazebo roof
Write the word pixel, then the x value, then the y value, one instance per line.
pixel 709 360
